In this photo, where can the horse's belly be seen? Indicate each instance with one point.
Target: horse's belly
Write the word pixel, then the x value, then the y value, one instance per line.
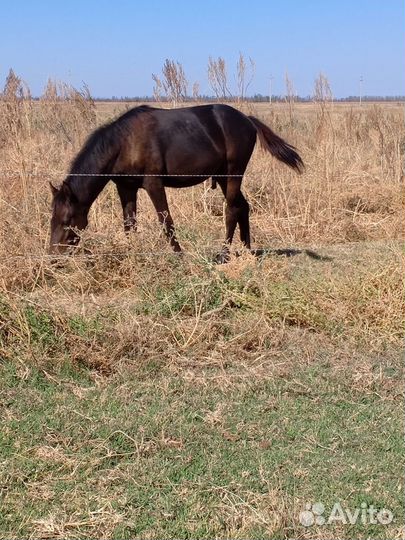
pixel 183 181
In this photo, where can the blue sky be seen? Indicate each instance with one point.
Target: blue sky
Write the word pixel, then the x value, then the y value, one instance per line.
pixel 115 45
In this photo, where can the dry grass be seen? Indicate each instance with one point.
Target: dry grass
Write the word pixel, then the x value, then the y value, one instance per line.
pixel 275 331
pixel 352 191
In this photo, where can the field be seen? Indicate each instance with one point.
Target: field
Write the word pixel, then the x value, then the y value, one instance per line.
pixel 144 395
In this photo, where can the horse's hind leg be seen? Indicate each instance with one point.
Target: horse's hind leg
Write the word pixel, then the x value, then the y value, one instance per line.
pixel 243 221
pixel 237 213
pixel 128 196
pixel 156 191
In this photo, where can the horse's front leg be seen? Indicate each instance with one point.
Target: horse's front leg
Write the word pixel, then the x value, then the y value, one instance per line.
pixel 128 198
pixel 156 191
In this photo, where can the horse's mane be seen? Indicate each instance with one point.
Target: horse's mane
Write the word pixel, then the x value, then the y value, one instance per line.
pixel 101 147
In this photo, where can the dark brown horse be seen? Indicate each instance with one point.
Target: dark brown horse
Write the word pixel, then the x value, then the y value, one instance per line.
pixel 158 145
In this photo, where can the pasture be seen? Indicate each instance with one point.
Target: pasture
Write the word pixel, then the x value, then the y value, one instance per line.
pixel 144 395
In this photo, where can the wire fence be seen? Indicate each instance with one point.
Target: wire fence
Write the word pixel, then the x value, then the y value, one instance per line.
pixel 90 256
pixel 209 256
pixel 7 174
pixel 208 253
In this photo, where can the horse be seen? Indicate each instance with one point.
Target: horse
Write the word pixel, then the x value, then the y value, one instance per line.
pixel 162 148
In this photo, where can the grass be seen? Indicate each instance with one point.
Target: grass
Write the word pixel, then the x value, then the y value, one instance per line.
pixel 143 395
pixel 150 454
pixel 271 385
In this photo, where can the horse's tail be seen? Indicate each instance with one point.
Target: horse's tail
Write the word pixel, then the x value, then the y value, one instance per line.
pixel 277 146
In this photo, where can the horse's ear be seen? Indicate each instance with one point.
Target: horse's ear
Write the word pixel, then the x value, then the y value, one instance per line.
pixel 54 189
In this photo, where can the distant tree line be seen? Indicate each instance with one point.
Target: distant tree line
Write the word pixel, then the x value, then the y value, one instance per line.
pixel 172 86
pixel 256 98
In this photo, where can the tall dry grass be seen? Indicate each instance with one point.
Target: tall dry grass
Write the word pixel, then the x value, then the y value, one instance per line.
pixel 351 191
pixel 352 188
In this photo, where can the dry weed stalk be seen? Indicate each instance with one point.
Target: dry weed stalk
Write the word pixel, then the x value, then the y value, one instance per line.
pixel 218 78
pixel 196 91
pixel 67 110
pixel 290 96
pixel 157 87
pixel 245 74
pixel 173 83
pixel 16 108
pixel 323 96
pixel 325 133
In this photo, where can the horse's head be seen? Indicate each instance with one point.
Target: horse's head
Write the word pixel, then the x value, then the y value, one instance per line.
pixel 68 215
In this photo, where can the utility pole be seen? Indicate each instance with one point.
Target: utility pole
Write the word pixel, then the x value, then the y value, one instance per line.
pixel 361 88
pixel 271 88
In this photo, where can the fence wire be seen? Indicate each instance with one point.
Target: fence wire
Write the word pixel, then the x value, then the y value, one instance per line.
pixel 89 256
pixel 7 174
pixel 208 253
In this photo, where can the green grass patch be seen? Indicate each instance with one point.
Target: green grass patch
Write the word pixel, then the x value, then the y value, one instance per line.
pixel 166 458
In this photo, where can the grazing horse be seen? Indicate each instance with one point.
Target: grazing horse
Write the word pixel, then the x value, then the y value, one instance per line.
pixel 165 148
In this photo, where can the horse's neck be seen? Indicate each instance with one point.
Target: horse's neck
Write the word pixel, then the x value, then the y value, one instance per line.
pixel 90 163
pixel 87 188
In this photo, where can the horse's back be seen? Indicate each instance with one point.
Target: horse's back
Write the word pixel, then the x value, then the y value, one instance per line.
pixel 198 140
pixel 215 128
pixel 190 139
